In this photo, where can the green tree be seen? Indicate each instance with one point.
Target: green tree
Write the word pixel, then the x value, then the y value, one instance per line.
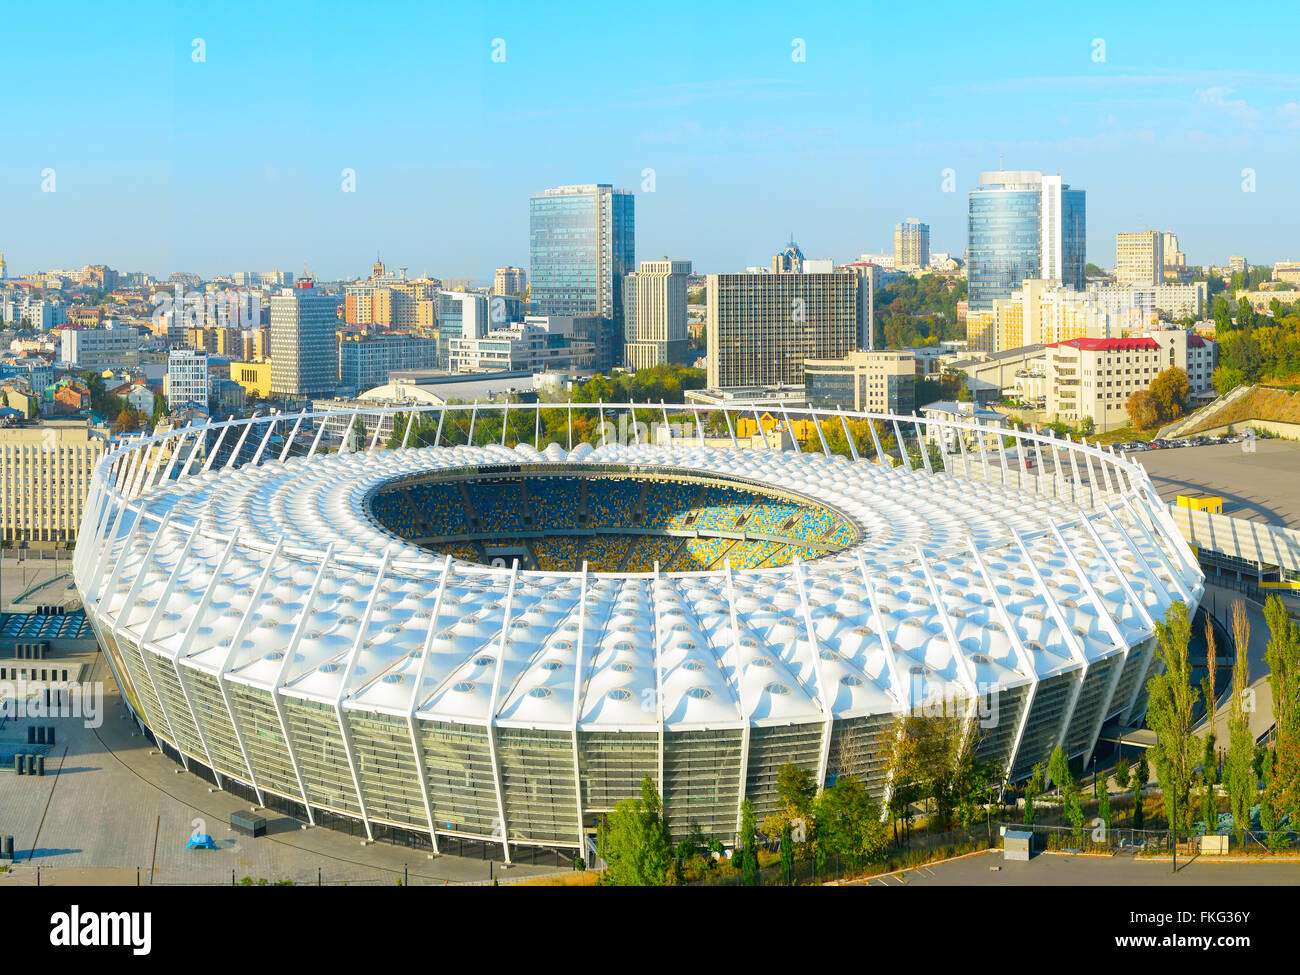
pixel 1170 390
pixel 1171 699
pixel 1122 774
pixel 1141 775
pixel 1239 775
pixel 849 822
pixel 1033 789
pixel 1143 411
pixel 1283 658
pixel 748 843
pixel 635 842
pixel 1226 379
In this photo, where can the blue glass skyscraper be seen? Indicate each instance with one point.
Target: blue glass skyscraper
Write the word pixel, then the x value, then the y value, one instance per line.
pixel 581 242
pixel 1023 225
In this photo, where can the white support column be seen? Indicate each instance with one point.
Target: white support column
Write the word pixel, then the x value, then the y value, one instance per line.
pixel 875 441
pixel 790 427
pixel 200 441
pixel 1108 622
pixel 758 424
pixel 379 426
pixel 288 441
pixel 1067 635
pixel 176 443
pixel 745 713
pixel 659 673
pixel 505 419
pixel 270 429
pixel 1074 467
pixel 578 684
pixel 726 416
pixel 1183 593
pixel 600 406
pixel 473 417
pixel 964 669
pixel 239 445
pixel 155 617
pixel 1028 666
pixel 345 445
pixel 315 441
pixel 570 429
pixel 920 446
pixel 699 427
pixel 216 447
pixel 442 415
pixel 984 453
pixel 223 683
pixel 353 654
pixel 667 425
pixel 1002 452
pixel 492 709
pixel 901 691
pixel 902 445
pixel 537 427
pixel 1092 472
pixel 827 705
pixel 420 672
pixel 125 610
pixel 848 437
pixel 277 698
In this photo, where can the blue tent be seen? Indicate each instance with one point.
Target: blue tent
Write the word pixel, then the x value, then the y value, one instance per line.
pixel 201 841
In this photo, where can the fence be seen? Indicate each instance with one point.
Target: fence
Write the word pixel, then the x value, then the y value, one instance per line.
pixel 1095 838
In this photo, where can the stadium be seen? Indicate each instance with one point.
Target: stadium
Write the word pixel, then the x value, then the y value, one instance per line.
pixel 464 639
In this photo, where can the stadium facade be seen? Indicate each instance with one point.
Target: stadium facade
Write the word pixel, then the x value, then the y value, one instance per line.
pixel 495 642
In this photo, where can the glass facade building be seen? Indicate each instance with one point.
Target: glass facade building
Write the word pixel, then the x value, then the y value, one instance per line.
pixel 582 241
pixel 1022 226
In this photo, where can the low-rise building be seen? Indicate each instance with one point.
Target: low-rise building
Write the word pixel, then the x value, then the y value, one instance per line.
pixel 870 381
pixel 45 471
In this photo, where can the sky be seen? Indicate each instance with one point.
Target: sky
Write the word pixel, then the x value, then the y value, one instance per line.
pixel 187 136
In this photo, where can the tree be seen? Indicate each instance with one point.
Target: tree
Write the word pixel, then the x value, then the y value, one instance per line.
pixel 1226 379
pixel 1209 753
pixel 1170 701
pixel 1170 390
pixel 1141 775
pixel 1239 777
pixel 748 844
pixel 1143 411
pixel 849 823
pixel 635 842
pixel 1103 806
pixel 1033 789
pixel 1122 774
pixel 1283 658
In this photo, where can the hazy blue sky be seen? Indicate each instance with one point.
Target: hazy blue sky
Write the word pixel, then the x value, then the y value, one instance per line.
pixel 235 163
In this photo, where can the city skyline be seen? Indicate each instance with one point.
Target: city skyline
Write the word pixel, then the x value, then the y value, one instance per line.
pixel 238 159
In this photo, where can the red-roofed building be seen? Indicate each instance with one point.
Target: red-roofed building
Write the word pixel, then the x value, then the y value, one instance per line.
pixel 1091 378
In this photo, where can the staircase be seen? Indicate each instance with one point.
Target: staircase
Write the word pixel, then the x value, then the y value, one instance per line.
pixel 1187 424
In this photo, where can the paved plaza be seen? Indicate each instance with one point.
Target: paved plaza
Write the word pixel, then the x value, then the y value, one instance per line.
pixel 111 804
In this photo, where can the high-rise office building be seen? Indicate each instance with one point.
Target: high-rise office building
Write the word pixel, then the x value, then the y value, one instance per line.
pixel 911 245
pixel 762 327
pixel 1140 258
pixel 1023 225
pixel 305 356
pixel 655 314
pixel 187 379
pixel 581 243
pixel 509 280
pixel 1174 258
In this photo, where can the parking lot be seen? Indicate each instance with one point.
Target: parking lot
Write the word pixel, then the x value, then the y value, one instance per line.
pixel 1259 481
